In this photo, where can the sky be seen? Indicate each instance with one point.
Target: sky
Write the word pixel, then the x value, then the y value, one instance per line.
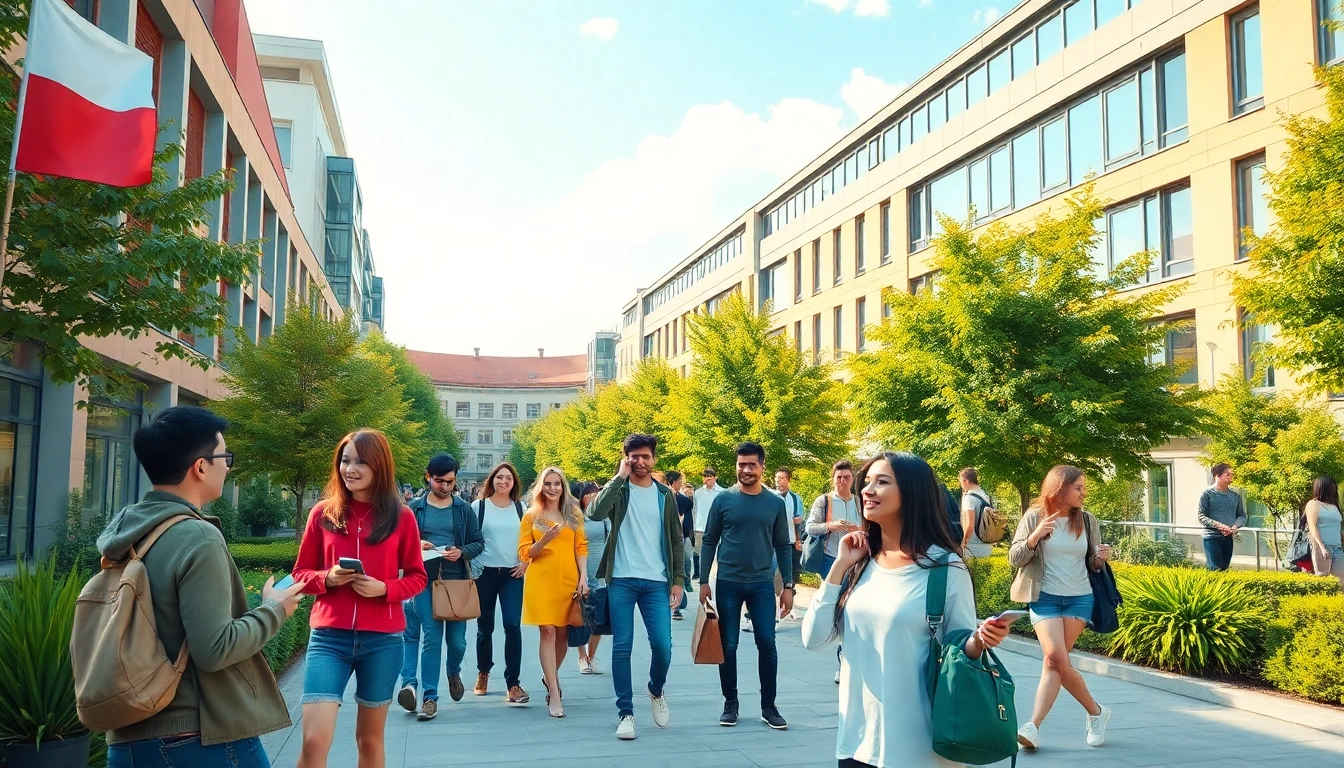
pixel 527 166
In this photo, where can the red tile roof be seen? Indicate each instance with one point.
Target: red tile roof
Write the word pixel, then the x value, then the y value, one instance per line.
pixel 470 371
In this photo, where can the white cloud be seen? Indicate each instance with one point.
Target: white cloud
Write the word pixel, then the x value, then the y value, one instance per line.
pixel 925 3
pixel 602 27
pixel 873 8
pixel 986 16
pixel 836 6
pixel 865 94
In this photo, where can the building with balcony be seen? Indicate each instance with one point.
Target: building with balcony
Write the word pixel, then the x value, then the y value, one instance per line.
pixel 1174 105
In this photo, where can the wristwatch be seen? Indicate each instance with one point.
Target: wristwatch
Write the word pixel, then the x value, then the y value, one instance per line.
pixel 789 586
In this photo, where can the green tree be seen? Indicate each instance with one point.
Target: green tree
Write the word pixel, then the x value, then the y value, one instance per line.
pixel 1296 274
pixel 261 506
pixel 440 434
pixel 297 393
pixel 748 385
pixel 1022 358
pixel 523 452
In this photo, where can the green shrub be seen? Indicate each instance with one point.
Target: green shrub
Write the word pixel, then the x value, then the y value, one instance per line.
pixel 223 509
pixel 1305 647
pixel 1142 550
pixel 37 611
pixel 277 555
pixel 1188 621
pixel 261 507
pixel 293 635
pixel 76 537
pixel 809 580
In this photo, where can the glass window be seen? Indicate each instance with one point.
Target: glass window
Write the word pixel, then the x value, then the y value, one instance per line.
pixel 920 123
pixel 1085 140
pixel 937 112
pixel 284 141
pixel 886 232
pixel 874 152
pixel 1248 78
pixel 111 472
pixel 1054 155
pixel 1254 338
pixel 1026 170
pixel 1174 111
pixel 891 144
pixel 462 411
pixel 510 410
pixel 1024 55
pixel 905 129
pixel 816 338
pixel 947 196
pixel 485 411
pixel 1148 111
pixel 1000 71
pixel 1077 21
pixel 18 443
pixel 534 410
pixel 1332 40
pixel 1252 205
pixel 485 436
pixel 1000 181
pixel 1152 222
pixel 1125 234
pixel 1159 497
pixel 850 172
pixel 1122 121
pixel 956 99
pixel 977 85
pixel 838 322
pixel 836 254
pixel 917 215
pixel 816 266
pixel 506 437
pixel 1050 38
pixel 797 282
pixel 860 258
pixel 483 461
pixel 1179 241
pixel 861 161
pixel 980 188
pixel 1109 9
pixel 1180 351
pixel 861 320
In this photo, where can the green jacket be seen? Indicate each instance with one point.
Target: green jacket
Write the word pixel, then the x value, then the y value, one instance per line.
pixel 227 692
pixel 613 502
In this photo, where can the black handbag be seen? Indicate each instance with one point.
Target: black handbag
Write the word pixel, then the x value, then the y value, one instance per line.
pixel 596 618
pixel 1106 600
pixel 1298 557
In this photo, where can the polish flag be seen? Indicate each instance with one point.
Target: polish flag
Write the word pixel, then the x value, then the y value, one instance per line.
pixel 86 108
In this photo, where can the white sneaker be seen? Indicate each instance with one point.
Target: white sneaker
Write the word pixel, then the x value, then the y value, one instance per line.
pixel 837 677
pixel 746 626
pixel 1096 727
pixel 626 730
pixel 661 715
pixel 593 669
pixel 1029 735
pixel 585 666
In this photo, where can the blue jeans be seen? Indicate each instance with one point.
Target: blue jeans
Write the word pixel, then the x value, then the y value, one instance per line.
pixel 427 647
pixel 410 641
pixel 652 597
pixel 180 751
pixel 335 654
pixel 1218 552
pixel 499 584
pixel 759 598
pixel 1048 606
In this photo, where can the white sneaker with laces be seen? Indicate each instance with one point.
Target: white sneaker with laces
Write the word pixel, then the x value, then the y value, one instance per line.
pixel 661 715
pixel 1096 727
pixel 1029 735
pixel 585 667
pixel 626 730
pixel 593 669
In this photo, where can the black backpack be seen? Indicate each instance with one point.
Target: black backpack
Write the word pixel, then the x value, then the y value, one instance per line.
pixel 954 515
pixel 480 511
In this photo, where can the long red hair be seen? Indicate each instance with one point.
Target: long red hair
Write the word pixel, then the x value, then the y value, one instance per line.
pixel 1051 500
pixel 374 452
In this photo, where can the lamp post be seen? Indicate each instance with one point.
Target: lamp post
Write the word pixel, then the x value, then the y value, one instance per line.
pixel 1213 366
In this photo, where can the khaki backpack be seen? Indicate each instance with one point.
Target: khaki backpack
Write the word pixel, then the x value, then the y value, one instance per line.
pixel 122 672
pixel 990 524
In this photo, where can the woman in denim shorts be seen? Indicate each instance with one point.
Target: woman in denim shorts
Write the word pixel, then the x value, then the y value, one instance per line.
pixel 1055 546
pixel 357 619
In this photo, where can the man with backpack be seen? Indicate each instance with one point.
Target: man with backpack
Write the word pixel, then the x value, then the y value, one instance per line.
pixel 225 695
pixel 981 523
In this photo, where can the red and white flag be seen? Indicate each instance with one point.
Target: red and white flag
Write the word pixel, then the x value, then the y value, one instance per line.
pixel 87 108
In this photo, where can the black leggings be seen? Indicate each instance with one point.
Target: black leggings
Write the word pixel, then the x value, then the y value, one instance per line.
pixel 850 762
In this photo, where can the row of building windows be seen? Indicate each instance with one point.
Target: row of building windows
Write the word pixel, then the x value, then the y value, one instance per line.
pixel 720 255
pixel 485 437
pixel 983 77
pixel 462 410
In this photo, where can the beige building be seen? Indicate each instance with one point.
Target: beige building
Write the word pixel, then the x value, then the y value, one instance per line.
pixel 1174 104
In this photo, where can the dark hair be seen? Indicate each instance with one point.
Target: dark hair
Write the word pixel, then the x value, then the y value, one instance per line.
pixel 441 464
pixel 712 472
pixel 751 449
pixel 787 472
pixel 672 476
pixel 582 489
pixel 487 488
pixel 1219 468
pixel 970 475
pixel 637 440
pixel 924 522
pixel 844 464
pixel 179 436
pixel 373 449
pixel 1325 491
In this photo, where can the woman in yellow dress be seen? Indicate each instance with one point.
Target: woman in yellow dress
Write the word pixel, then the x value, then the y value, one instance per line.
pixel 551 541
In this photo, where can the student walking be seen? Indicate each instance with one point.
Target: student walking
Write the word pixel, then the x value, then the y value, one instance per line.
pixel 833 515
pixel 1323 528
pixel 642 567
pixel 551 540
pixel 748 534
pixel 686 512
pixel 974 500
pixel 1055 546
pixel 227 697
pixel 447 525
pixel 499 513
pixel 357 619
pixel 595 531
pixel 873 598
pixel 701 499
pixel 793 506
pixel 1222 512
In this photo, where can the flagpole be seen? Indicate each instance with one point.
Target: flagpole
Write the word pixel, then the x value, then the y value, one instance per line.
pixel 13 158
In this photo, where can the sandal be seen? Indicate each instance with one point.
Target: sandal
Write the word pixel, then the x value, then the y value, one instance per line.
pixel 552 711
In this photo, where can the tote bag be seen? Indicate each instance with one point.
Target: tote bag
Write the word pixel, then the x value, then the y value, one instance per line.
pixel 456 600
pixel 706 642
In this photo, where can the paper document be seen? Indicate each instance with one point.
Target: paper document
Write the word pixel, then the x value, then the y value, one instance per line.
pixel 430 554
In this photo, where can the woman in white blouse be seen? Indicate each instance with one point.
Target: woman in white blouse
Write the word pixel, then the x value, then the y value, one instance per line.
pixel 885 715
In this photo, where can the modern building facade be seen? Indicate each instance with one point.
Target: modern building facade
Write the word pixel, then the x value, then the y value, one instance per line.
pixel 207 81
pixel 602 359
pixel 1174 105
pixel 323 184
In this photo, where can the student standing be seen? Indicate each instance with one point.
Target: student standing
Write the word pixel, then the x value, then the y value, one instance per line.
pixel 748 533
pixel 1055 546
pixel 551 541
pixel 974 500
pixel 833 515
pixel 642 566
pixel 595 531
pixel 1222 512
pixel 1323 528
pixel 357 619
pixel 793 505
pixel 874 599
pixel 448 525
pixel 686 511
pixel 701 500
pixel 499 512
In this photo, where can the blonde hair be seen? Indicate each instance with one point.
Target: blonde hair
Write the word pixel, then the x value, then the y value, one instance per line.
pixel 569 508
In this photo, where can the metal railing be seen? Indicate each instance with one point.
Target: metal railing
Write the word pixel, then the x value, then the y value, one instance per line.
pixel 1283 534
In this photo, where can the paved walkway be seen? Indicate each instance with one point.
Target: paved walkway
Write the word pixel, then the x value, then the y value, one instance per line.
pixel 1149 728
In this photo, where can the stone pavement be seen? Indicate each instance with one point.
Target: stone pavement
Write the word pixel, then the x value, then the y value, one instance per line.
pixel 1149 727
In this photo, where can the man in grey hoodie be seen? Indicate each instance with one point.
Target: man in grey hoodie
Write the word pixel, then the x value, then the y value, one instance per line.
pixel 227 696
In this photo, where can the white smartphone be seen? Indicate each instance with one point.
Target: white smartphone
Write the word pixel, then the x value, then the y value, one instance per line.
pixel 1008 617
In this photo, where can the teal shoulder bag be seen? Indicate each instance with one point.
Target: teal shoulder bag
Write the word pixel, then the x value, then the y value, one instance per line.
pixel 974 718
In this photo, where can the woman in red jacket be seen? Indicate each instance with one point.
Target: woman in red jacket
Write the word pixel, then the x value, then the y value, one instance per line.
pixel 357 619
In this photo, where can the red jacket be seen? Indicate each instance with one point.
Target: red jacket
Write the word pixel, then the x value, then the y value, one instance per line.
pixel 395 561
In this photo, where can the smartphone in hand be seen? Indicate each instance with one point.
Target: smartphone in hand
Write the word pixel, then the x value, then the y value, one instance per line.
pixel 351 564
pixel 1008 617
pixel 284 583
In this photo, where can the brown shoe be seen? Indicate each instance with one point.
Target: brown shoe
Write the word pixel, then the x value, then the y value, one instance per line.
pixel 517 695
pixel 455 687
pixel 482 684
pixel 428 710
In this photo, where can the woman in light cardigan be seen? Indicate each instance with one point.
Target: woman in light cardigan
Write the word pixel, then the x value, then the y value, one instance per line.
pixel 885 714
pixel 1055 546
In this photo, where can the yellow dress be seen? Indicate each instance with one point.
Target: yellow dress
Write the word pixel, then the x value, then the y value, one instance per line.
pixel 548 587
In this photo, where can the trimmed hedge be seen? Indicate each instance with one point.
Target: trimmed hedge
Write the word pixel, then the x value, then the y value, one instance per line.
pixel 277 555
pixel 1305 647
pixel 293 635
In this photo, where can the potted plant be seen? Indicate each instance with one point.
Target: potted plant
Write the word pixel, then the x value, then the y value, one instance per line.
pixel 39 725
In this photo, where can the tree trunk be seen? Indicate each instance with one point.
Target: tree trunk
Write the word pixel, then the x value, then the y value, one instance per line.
pixel 299 522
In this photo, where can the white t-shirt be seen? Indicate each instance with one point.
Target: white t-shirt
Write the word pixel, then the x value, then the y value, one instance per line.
pixel 840 510
pixel 971 501
pixel 793 505
pixel 1065 562
pixel 501 535
pixel 885 716
pixel 701 501
pixel 639 543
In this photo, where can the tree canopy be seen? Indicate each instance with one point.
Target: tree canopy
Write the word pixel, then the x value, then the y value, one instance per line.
pixel 424 407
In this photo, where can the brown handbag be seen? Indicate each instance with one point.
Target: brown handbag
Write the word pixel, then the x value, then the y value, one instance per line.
pixel 575 617
pixel 706 642
pixel 456 600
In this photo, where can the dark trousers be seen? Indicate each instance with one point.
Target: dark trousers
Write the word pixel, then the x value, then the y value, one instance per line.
pixel 850 762
pixel 1218 553
pixel 759 598
pixel 499 584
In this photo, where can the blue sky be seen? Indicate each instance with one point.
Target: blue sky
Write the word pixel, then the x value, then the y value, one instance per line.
pixel 527 165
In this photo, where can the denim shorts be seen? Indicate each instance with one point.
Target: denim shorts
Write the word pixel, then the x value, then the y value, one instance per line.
pixel 374 658
pixel 1049 606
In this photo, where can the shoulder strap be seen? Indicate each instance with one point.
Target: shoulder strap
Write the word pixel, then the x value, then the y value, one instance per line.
pixel 480 513
pixel 935 596
pixel 827 497
pixel 138 551
pixel 518 505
